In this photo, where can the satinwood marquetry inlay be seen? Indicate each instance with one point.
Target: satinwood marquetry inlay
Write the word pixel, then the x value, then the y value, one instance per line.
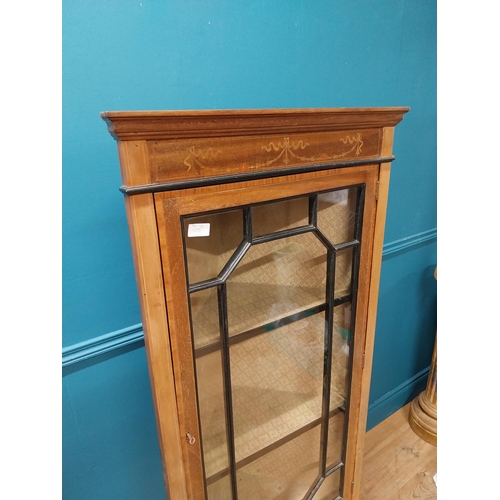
pixel 210 157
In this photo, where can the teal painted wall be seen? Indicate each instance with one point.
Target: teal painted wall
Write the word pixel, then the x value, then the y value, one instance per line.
pixel 124 55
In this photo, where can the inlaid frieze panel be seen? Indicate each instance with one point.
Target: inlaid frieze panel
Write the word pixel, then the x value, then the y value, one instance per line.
pixel 210 157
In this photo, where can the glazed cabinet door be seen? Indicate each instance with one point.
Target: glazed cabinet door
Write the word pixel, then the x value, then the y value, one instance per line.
pixel 266 286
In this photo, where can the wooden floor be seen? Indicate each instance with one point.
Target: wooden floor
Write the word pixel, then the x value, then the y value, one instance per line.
pixel 398 465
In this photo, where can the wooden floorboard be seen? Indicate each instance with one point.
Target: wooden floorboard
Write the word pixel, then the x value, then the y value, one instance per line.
pixel 398 465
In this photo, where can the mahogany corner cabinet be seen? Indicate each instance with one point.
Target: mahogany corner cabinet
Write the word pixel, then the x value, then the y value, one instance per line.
pixel 257 242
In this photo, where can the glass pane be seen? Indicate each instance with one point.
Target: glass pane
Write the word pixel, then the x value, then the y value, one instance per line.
pixel 335 439
pixel 276 279
pixel 330 489
pixel 273 217
pixel 337 214
pixel 220 489
pixel 343 273
pixel 210 240
pixel 277 381
pixel 212 414
pixel 276 326
pixel 340 354
pixel 205 317
pixel 286 473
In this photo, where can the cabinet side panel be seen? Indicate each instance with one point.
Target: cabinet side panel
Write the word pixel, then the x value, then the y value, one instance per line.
pixel 145 246
pixel 134 162
pixel 378 243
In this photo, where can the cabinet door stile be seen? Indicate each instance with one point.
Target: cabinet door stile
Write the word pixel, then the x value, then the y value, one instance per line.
pixel 356 424
pixel 172 255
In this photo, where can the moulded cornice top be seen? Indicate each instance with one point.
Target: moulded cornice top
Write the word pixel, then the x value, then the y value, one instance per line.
pixel 144 125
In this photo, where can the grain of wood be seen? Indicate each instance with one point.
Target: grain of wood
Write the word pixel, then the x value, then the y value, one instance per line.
pixel 397 464
pixel 157 147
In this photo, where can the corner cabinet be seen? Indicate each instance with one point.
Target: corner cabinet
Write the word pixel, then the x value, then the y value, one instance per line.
pixel 257 240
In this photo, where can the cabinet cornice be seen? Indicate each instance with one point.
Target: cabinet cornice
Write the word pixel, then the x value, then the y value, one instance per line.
pixel 151 125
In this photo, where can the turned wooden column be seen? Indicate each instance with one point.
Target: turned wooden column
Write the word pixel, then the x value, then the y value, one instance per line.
pixel 423 409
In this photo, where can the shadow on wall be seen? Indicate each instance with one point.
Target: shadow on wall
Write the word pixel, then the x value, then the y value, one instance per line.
pixel 408 306
pixel 405 330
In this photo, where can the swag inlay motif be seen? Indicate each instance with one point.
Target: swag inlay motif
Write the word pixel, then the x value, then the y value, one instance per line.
pixel 194 158
pixel 286 152
pixel 287 149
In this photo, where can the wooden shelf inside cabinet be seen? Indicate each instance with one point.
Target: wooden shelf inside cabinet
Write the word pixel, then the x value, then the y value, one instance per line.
pixel 257 239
